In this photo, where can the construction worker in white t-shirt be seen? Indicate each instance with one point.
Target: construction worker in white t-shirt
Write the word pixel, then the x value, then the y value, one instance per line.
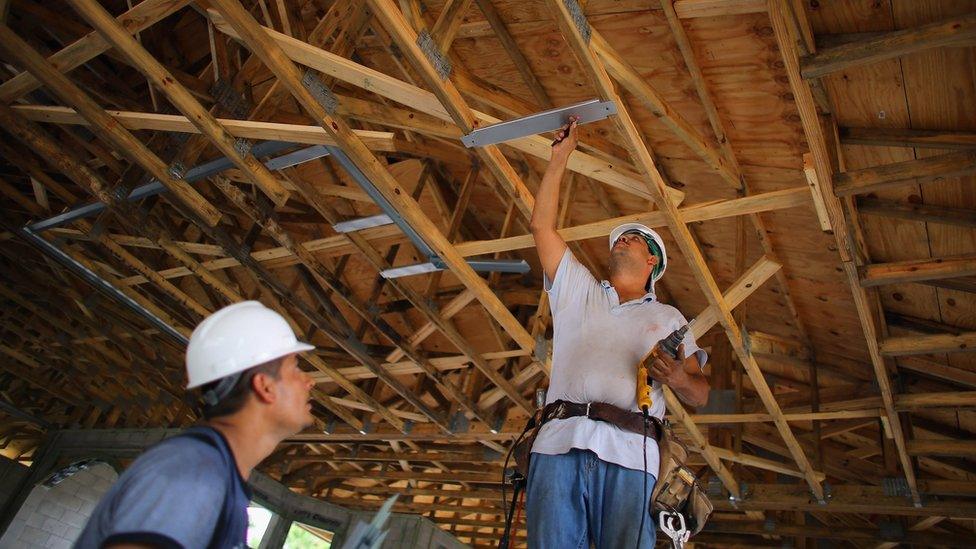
pixel 592 470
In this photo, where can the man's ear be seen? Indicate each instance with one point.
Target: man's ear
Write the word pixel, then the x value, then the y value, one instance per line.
pixel 264 388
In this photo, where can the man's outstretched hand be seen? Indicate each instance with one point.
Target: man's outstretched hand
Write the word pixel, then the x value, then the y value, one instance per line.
pixel 565 142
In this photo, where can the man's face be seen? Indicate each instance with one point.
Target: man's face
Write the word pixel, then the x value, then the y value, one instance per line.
pixel 630 252
pixel 293 389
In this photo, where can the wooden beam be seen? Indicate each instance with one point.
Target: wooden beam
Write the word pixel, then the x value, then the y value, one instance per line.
pixel 817 192
pixel 917 270
pixel 409 491
pixel 727 164
pixel 235 150
pixel 689 9
pixel 850 498
pixel 963 284
pixel 87 178
pixel 698 79
pixel 761 463
pixel 655 182
pixel 637 85
pixel 426 432
pixel 246 129
pixel 426 102
pixel 906 137
pixel 721 419
pixel 817 142
pixel 834 532
pixel 418 508
pixel 932 168
pixel 341 335
pixel 940 447
pixel 749 282
pixel 138 18
pixel 405 347
pixel 449 310
pixel 958 217
pixel 448 23
pixel 24 54
pixel 458 457
pixel 144 158
pixel 938 370
pixel 888 46
pixel 774 200
pixel 263 45
pixel 928 344
pixel 407 40
pixel 508 42
pixel 383 236
pixel 407 367
pixel 912 401
pixel 493 477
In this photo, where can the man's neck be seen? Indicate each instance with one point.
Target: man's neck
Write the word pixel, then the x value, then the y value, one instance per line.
pixel 627 288
pixel 248 440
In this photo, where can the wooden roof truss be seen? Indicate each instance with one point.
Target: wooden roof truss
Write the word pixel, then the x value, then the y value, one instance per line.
pixel 423 382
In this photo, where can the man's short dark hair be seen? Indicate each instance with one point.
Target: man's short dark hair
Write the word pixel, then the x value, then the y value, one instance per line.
pixel 237 396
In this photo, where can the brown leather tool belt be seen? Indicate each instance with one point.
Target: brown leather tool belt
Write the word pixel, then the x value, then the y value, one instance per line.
pixel 601 411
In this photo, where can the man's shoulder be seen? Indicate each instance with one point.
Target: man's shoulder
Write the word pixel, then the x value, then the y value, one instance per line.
pixel 665 309
pixel 181 455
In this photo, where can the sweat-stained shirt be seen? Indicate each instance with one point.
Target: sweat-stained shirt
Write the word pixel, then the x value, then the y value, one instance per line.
pixel 597 343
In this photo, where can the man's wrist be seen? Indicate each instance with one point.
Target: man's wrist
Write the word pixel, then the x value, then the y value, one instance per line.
pixel 560 157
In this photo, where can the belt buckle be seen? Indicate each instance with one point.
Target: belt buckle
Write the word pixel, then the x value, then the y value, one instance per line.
pixel 588 410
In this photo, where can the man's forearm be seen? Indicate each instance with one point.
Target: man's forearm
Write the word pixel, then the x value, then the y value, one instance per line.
pixel 547 199
pixel 693 390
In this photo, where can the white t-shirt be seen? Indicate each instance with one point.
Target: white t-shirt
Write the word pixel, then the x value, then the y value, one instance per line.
pixel 597 343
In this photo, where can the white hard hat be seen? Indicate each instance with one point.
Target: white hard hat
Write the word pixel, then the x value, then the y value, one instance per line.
pixel 658 271
pixel 235 338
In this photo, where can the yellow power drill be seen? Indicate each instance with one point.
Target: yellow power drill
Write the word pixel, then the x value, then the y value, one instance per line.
pixel 668 345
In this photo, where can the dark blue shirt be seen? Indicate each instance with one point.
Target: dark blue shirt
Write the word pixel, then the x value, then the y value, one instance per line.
pixel 184 492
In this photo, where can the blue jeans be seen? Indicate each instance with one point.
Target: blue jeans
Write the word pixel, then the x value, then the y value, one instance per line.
pixel 576 498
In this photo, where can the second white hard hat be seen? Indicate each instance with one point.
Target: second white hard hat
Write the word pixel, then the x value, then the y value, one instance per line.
pixel 652 234
pixel 236 338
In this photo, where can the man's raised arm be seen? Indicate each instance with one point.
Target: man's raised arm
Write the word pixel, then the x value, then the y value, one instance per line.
pixel 548 243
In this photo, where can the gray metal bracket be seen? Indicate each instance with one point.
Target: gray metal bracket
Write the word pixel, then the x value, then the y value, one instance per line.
pixel 361 223
pixel 579 19
pixel 480 265
pixel 437 59
pixel 322 94
pixel 201 171
pixel 98 282
pixel 459 423
pixel 541 350
pixel 895 486
pixel 828 492
pixel 588 111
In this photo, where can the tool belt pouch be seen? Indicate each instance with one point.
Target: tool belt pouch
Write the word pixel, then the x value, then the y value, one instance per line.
pixel 677 489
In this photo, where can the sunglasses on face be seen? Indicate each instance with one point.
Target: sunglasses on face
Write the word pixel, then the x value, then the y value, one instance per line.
pixel 632 236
